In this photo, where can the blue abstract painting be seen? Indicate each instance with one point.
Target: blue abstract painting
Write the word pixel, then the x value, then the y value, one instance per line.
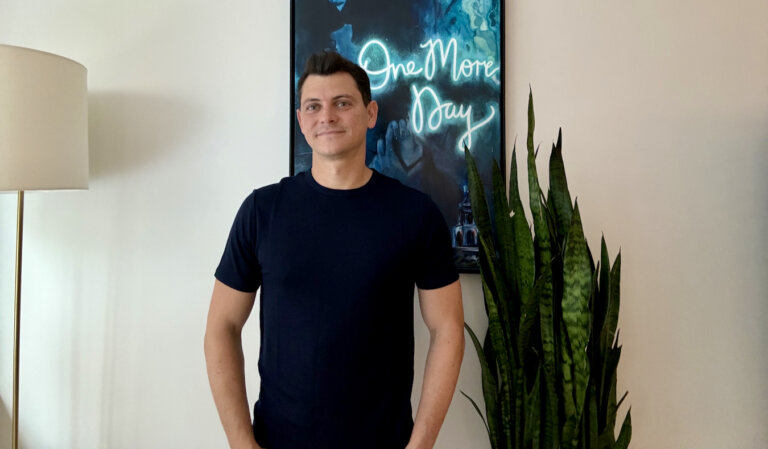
pixel 436 71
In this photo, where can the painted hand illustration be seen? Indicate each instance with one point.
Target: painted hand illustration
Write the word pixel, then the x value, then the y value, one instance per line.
pixel 399 154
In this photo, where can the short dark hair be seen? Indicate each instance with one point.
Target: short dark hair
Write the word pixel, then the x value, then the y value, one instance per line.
pixel 329 62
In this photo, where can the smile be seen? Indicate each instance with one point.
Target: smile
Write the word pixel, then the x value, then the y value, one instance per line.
pixel 330 132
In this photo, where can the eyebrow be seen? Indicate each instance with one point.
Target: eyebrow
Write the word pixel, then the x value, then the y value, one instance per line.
pixel 337 97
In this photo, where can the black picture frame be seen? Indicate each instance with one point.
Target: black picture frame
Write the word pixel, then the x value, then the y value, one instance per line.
pixel 437 72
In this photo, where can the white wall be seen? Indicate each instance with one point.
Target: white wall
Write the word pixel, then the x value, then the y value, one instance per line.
pixel 664 108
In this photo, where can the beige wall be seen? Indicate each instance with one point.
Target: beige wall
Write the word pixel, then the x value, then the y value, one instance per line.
pixel 664 109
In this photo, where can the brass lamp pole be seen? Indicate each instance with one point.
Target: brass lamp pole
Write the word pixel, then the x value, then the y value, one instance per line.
pixel 43 146
pixel 17 320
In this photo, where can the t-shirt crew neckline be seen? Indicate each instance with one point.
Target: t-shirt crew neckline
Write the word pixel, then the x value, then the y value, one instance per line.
pixel 307 174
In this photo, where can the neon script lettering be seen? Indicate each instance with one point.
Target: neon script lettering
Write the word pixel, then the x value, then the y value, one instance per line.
pixel 429 111
pixel 376 60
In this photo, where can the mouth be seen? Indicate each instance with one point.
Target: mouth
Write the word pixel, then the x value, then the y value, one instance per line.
pixel 329 132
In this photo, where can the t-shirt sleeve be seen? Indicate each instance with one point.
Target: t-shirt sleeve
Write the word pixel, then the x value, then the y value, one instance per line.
pixel 239 266
pixel 435 263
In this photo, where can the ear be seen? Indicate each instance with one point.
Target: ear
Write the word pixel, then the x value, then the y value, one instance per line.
pixel 298 117
pixel 373 113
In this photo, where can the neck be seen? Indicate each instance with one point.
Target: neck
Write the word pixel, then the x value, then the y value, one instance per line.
pixel 340 175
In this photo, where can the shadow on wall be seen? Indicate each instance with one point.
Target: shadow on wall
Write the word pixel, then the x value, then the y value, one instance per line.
pixel 128 131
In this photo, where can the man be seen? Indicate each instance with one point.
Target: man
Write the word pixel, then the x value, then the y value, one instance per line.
pixel 336 251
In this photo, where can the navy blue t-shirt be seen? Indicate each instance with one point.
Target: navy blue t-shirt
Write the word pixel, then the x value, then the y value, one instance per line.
pixel 337 270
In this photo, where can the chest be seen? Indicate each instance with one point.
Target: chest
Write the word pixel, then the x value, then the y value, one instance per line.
pixel 333 243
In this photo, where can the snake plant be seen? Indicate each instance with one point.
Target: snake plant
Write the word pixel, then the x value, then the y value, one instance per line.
pixel 550 355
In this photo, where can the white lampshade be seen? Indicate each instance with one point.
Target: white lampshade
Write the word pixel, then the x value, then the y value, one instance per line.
pixel 43 121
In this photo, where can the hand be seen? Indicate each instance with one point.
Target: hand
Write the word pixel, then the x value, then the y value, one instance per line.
pixel 399 154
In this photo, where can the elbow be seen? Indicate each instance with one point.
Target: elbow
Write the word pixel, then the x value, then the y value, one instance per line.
pixel 207 343
pixel 209 336
pixel 450 335
pixel 460 341
pixel 216 335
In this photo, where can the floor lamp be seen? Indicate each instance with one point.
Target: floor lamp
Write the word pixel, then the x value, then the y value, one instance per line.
pixel 43 146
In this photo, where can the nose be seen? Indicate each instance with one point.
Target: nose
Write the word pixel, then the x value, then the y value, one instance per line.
pixel 328 115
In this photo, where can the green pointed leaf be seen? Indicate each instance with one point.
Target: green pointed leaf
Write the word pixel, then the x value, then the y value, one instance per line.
pixel 624 396
pixel 492 274
pixel 514 190
pixel 626 432
pixel 612 313
pixel 477 409
pixel 490 392
pixel 477 198
pixel 599 309
pixel 550 426
pixel 518 400
pixel 490 356
pixel 505 272
pixel 528 317
pixel 583 431
pixel 534 190
pixel 560 197
pixel 606 440
pixel 594 292
pixel 603 299
pixel 594 431
pixel 540 224
pixel 542 245
pixel 524 260
pixel 531 121
pixel 556 244
pixel 499 346
pixel 548 348
pixel 505 239
pixel 532 431
pixel 569 431
pixel 576 317
pixel 601 305
pixel 609 405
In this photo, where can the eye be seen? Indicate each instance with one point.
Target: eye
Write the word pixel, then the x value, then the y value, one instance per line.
pixel 310 107
pixel 342 103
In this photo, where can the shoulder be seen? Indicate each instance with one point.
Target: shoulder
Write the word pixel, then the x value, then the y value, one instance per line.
pixel 257 207
pixel 404 194
pixel 413 206
pixel 268 194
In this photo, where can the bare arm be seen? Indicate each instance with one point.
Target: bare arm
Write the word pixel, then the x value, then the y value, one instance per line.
pixel 443 314
pixel 228 312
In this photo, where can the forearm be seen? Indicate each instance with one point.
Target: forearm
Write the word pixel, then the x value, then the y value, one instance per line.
pixel 224 361
pixel 446 350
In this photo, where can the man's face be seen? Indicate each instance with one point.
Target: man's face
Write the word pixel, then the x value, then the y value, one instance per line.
pixel 332 115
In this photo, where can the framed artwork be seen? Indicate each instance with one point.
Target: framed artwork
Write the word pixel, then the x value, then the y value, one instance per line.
pixel 437 72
